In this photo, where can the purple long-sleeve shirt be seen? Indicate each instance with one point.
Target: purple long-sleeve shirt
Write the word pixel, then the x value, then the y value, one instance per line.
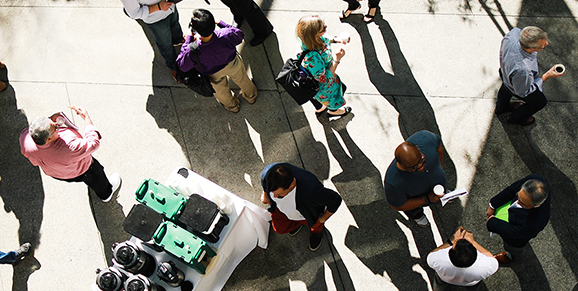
pixel 214 54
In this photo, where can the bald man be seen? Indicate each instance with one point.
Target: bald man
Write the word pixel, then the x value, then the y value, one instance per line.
pixel 412 175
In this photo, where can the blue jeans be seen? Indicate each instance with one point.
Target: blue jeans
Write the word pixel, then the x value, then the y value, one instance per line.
pixel 7 258
pixel 168 32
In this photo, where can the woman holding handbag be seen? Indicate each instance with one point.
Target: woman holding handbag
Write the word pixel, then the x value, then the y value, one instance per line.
pixel 321 64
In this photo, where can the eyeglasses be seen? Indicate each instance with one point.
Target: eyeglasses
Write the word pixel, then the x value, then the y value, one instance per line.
pixel 419 163
pixel 522 203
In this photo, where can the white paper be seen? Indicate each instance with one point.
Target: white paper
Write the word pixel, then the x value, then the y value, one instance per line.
pixel 453 195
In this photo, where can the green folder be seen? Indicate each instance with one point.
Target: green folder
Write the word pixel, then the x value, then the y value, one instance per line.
pixel 502 211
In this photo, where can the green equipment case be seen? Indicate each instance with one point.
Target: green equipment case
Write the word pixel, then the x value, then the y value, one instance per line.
pixel 161 198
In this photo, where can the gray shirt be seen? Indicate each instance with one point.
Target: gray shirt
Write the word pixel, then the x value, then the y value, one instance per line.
pixel 138 9
pixel 519 68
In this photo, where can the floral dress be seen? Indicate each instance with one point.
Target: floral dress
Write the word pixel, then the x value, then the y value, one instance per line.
pixel 317 64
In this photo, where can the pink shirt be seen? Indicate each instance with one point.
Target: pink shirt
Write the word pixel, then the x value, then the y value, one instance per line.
pixel 67 157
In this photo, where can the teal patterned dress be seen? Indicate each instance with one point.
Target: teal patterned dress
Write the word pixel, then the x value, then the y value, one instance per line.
pixel 317 64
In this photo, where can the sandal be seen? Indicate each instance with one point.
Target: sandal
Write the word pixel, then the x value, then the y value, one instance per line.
pixel 368 17
pixel 345 15
pixel 346 108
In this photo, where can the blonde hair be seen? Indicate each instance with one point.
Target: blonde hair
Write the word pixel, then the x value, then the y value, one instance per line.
pixel 307 30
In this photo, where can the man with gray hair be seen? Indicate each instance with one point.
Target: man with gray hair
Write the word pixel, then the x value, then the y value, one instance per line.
pixel 520 74
pixel 528 214
pixel 64 154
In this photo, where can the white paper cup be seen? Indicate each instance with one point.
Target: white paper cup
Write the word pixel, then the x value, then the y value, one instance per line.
pixel 345 37
pixel 559 68
pixel 439 190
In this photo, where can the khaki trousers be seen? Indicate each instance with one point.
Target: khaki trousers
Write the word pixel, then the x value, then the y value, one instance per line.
pixel 236 71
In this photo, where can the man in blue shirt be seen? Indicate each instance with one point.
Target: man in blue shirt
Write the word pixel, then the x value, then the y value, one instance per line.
pixel 520 74
pixel 415 171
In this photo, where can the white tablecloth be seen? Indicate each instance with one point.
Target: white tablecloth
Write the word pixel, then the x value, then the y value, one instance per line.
pixel 248 227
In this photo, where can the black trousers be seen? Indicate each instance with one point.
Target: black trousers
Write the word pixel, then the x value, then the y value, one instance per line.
pixel 252 13
pixel 95 179
pixel 533 103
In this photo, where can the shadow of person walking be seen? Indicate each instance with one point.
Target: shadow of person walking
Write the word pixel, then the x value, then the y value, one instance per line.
pixel 21 185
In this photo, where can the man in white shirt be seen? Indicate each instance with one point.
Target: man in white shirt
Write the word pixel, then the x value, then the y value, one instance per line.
pixel 296 198
pixel 461 261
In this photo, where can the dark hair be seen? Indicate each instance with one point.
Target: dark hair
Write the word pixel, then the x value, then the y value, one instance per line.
pixel 203 22
pixel 280 176
pixel 464 254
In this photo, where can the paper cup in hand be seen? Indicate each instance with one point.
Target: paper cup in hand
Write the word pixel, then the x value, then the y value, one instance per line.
pixel 345 37
pixel 559 68
pixel 439 190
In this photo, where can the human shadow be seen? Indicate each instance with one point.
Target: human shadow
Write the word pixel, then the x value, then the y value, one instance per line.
pixel 289 257
pixel 379 239
pixel 21 185
pixel 108 217
pixel 400 89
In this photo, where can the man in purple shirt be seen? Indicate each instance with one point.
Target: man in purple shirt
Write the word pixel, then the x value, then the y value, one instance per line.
pixel 64 154
pixel 520 74
pixel 218 58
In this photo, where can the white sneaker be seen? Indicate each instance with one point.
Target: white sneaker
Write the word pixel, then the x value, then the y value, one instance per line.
pixel 422 221
pixel 115 181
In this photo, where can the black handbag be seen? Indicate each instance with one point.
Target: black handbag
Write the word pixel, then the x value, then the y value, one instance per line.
pixel 196 80
pixel 297 81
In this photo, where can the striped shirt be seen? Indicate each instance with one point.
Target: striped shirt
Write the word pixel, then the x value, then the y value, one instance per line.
pixel 519 68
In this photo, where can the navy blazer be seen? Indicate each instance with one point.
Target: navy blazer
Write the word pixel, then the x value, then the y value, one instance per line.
pixel 524 224
pixel 312 198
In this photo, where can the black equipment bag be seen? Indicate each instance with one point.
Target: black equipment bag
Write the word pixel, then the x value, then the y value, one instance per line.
pixel 196 81
pixel 297 81
pixel 203 218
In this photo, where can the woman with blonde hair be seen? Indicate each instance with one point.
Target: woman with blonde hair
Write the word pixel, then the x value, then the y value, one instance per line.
pixel 321 64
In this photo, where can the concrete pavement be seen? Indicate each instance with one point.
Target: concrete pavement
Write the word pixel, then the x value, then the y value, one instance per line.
pixel 422 65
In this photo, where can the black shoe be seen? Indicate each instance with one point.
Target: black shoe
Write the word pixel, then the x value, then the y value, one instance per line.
pixel 315 240
pixel 257 40
pixel 295 231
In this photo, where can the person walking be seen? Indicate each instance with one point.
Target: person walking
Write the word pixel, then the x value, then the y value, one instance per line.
pixel 321 64
pixel 64 154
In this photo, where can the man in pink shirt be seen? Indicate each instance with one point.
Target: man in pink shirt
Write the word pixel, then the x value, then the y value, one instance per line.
pixel 65 155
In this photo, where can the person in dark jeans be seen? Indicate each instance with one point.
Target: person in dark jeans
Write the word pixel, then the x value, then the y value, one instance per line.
pixel 248 10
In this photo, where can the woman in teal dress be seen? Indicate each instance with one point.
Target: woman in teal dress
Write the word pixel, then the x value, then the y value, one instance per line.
pixel 321 64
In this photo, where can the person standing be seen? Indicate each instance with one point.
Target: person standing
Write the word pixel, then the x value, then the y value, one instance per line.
pixel 520 74
pixel 528 215
pixel 320 63
pixel 412 175
pixel 218 58
pixel 64 154
pixel 162 18
pixel 248 10
pixel 296 198
pixel 461 261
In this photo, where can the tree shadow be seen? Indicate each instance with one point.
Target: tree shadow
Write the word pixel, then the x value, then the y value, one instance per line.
pixel 511 152
pixel 21 185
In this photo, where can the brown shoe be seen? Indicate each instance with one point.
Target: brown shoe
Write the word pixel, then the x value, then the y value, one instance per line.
pixel 528 121
pixel 503 258
pixel 2 86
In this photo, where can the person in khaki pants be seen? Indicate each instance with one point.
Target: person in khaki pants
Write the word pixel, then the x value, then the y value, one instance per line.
pixel 216 52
